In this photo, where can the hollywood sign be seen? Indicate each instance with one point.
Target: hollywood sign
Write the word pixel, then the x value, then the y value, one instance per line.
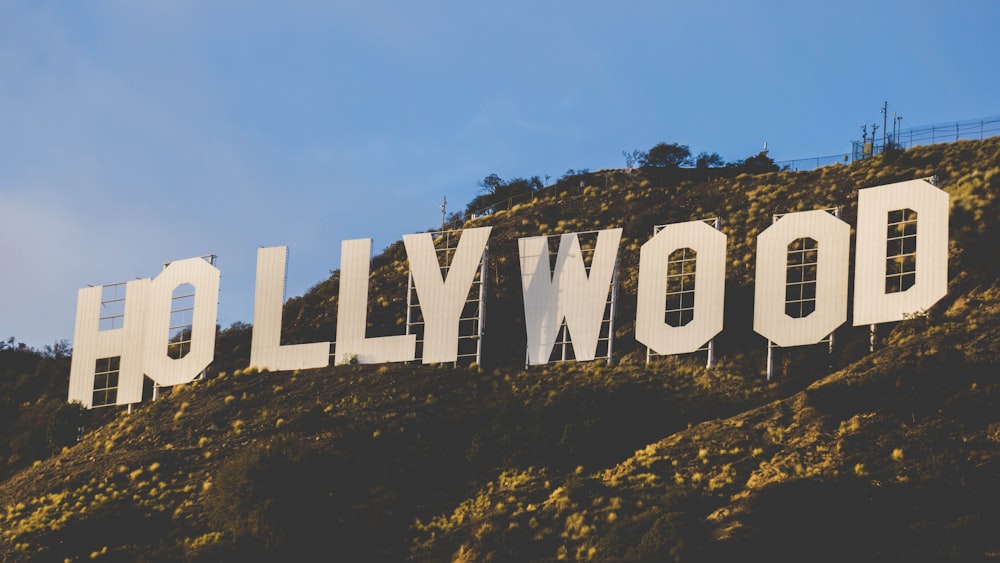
pixel 164 328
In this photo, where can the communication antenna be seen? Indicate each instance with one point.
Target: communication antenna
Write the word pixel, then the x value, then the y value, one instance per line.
pixel 444 207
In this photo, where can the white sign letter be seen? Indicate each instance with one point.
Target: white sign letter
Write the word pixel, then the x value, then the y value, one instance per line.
pixel 159 366
pixel 352 313
pixel 802 268
pixel 114 353
pixel 442 300
pixel 266 350
pixel 905 271
pixel 567 293
pixel 709 246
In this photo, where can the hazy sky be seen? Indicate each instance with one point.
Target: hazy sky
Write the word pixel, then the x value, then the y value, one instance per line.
pixel 135 133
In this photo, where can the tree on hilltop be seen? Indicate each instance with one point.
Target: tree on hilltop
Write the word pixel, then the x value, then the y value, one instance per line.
pixel 497 193
pixel 758 164
pixel 705 160
pixel 665 155
pixel 634 158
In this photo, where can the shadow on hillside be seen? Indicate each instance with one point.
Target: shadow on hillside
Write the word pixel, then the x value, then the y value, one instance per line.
pixel 859 520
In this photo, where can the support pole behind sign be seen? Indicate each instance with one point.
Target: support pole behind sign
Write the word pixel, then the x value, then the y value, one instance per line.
pixel 409 301
pixel 611 321
pixel 770 360
pixel 836 213
pixel 710 361
pixel 482 307
pixel 565 339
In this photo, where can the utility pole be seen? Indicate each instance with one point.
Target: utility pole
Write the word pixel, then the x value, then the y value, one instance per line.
pixel 444 206
pixel 885 115
pixel 894 137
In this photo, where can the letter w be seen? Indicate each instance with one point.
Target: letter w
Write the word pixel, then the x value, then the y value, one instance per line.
pixel 566 293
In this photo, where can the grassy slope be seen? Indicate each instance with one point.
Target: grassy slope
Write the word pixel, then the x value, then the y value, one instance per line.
pixel 891 456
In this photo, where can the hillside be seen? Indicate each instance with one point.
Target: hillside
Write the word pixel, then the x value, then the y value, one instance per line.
pixel 886 456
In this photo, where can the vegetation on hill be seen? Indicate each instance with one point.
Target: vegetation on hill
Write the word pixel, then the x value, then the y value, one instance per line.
pixel 35 419
pixel 885 456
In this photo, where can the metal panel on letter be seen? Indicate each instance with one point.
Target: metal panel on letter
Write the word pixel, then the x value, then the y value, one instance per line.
pixel 541 298
pixel 566 293
pixel 710 286
pixel 90 344
pixel 442 299
pixel 352 313
pixel 872 304
pixel 833 238
pixel 160 367
pixel 266 350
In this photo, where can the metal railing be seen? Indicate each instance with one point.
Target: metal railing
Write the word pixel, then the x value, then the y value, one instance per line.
pixel 981 128
pixel 813 162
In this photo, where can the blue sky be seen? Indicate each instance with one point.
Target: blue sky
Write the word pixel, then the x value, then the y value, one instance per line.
pixel 135 133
